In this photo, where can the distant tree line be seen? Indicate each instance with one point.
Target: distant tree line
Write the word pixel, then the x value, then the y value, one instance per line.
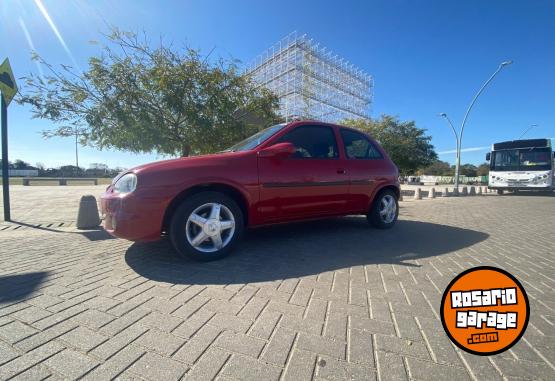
pixel 442 168
pixel 94 170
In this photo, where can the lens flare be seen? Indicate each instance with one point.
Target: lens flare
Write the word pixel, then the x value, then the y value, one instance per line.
pixel 54 28
pixel 31 45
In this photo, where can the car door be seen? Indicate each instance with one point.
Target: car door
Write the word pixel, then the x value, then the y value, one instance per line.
pixel 309 183
pixel 366 168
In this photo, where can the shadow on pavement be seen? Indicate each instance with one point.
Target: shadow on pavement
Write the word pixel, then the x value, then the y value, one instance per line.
pixel 37 226
pixel 17 287
pixel 92 234
pixel 98 234
pixel 303 249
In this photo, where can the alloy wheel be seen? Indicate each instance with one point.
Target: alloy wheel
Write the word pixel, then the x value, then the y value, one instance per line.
pixel 210 227
pixel 388 209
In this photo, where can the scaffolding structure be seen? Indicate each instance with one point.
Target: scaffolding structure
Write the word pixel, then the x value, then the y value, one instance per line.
pixel 312 82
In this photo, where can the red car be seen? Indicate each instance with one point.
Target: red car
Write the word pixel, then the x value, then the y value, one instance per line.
pixel 296 171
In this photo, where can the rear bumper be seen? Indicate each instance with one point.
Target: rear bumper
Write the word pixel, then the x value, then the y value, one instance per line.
pixel 509 188
pixel 132 216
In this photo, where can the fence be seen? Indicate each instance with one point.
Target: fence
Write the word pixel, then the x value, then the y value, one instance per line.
pixel 435 180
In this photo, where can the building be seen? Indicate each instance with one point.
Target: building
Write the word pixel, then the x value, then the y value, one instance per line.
pixel 27 172
pixel 312 82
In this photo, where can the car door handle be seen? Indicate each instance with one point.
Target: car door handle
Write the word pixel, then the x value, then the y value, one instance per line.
pixel 341 171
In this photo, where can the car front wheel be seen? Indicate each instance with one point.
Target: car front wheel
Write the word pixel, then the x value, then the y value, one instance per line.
pixel 384 211
pixel 206 226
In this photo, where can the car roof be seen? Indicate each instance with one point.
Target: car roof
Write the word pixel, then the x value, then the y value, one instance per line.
pixel 319 122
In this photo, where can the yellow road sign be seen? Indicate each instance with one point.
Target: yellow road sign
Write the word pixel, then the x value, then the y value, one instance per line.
pixel 8 87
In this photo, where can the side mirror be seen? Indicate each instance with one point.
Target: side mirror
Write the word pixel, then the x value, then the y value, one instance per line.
pixel 488 156
pixel 280 150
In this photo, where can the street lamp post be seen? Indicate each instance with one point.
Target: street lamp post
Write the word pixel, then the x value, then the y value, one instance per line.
pixel 460 135
pixel 76 153
pixel 444 115
pixel 526 131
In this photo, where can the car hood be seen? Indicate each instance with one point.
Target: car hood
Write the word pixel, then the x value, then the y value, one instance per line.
pixel 190 161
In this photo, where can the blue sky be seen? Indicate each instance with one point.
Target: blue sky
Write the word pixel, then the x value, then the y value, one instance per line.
pixel 426 57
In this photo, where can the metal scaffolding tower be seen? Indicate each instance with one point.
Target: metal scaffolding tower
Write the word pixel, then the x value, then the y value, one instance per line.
pixel 312 82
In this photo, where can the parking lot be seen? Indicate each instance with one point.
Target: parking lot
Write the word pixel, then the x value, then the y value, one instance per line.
pixel 331 299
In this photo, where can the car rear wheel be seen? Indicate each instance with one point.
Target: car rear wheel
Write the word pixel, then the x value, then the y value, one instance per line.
pixel 384 211
pixel 206 226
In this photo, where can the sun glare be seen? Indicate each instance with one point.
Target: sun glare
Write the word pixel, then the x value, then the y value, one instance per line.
pixel 31 45
pixel 54 28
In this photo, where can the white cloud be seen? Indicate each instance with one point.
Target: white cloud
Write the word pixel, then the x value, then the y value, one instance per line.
pixel 471 149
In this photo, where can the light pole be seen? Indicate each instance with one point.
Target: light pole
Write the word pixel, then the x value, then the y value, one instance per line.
pixel 526 131
pixel 444 115
pixel 76 153
pixel 460 135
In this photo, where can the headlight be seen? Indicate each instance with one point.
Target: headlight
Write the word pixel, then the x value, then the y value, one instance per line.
pixel 126 183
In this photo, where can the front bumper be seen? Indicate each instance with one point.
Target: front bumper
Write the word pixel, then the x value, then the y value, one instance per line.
pixel 520 188
pixel 132 216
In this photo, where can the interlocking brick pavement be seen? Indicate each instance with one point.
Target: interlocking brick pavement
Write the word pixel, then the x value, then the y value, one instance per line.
pixel 326 300
pixel 49 204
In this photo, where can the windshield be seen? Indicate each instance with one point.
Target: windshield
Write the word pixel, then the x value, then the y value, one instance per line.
pixel 525 159
pixel 256 139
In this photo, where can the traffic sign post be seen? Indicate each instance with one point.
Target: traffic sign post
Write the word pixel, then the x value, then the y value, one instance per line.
pixel 8 89
pixel 5 174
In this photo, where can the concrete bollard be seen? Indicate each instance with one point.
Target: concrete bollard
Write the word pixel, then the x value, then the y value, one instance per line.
pixel 445 192
pixel 418 194
pixel 455 191
pixel 472 191
pixel 88 217
pixel 464 191
pixel 432 193
pixel 479 191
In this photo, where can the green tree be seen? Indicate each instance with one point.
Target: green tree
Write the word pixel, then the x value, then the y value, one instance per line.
pixel 141 97
pixel 408 146
pixel 483 169
pixel 20 164
pixel 468 170
pixel 437 168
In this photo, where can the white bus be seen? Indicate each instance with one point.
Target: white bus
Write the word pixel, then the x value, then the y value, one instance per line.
pixel 521 165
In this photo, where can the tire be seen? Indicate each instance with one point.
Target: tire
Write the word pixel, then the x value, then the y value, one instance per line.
pixel 376 216
pixel 185 229
pixel 500 191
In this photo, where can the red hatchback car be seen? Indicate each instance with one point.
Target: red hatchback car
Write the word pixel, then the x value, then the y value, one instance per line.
pixel 301 170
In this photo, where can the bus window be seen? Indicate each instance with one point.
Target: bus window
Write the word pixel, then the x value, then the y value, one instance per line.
pixel 505 160
pixel 538 159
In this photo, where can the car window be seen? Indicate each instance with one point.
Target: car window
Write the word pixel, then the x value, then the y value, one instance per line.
pixel 312 142
pixel 256 139
pixel 357 146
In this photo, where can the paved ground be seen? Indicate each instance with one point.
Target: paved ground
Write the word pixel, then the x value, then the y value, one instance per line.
pixel 58 204
pixel 328 300
pixel 48 204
